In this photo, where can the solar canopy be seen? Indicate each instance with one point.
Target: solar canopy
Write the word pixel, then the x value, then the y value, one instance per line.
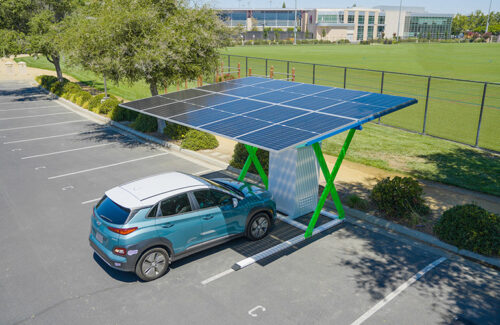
pixel 270 114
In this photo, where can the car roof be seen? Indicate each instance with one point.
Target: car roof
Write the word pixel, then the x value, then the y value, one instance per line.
pixel 149 190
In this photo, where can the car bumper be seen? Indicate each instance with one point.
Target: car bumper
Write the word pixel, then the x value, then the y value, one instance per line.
pixel 114 261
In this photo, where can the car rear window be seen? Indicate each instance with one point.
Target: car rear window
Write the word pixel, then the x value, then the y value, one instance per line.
pixel 112 212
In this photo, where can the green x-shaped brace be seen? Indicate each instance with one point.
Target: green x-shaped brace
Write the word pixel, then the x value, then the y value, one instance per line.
pixel 329 178
pixel 252 158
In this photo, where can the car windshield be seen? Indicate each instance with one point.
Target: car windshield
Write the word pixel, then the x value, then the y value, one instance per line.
pixel 112 212
pixel 224 186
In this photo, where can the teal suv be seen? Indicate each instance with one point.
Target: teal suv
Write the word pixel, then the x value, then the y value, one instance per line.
pixel 144 225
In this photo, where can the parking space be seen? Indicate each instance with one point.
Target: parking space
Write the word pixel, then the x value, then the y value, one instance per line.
pixel 54 168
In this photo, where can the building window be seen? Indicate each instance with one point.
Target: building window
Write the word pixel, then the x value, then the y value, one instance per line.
pixel 328 19
pixel 361 19
pixel 360 32
pixel 370 32
pixel 381 20
pixel 380 31
pixel 350 18
pixel 371 20
pixel 341 18
pixel 432 27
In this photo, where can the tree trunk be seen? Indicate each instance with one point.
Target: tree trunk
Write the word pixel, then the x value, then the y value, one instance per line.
pixel 153 87
pixel 56 61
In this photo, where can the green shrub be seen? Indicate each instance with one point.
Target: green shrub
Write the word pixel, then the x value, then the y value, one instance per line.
pixel 70 88
pixel 400 197
pixel 57 87
pixel 94 102
pixel 240 156
pixel 471 227
pixel 46 81
pixel 107 106
pixel 145 123
pixel 356 202
pixel 118 114
pixel 197 140
pixel 175 131
pixel 82 98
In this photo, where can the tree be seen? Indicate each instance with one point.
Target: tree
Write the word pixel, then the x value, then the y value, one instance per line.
pixel 283 5
pixel 323 33
pixel 158 41
pixel 11 42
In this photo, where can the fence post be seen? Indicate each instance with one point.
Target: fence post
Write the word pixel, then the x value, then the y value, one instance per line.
pixel 426 103
pixel 239 70
pixel 229 63
pixel 266 68
pixel 222 69
pixel 287 70
pixel 201 81
pixel 185 84
pixel 381 90
pixel 293 73
pixel 246 66
pixel 165 89
pixel 314 74
pixel 345 76
pixel 481 114
pixel 178 85
pixel 250 72
pixel 271 72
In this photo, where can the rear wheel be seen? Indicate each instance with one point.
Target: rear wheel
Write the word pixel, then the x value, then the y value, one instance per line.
pixel 152 264
pixel 258 227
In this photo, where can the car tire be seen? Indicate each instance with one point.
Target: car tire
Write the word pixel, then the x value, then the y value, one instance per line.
pixel 259 226
pixel 153 264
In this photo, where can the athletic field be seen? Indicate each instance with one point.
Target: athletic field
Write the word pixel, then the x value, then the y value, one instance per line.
pixel 453 106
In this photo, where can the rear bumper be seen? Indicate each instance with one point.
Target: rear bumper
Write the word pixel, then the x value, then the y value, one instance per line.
pixel 114 261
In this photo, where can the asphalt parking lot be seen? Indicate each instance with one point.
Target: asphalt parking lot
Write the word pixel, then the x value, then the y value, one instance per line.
pixel 55 164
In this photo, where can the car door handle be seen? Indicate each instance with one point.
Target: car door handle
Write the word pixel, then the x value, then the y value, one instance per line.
pixel 208 217
pixel 167 225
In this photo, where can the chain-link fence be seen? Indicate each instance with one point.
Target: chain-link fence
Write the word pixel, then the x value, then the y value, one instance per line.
pixel 464 111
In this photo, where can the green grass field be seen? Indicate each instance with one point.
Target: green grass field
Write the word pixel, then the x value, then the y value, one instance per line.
pixel 453 107
pixel 385 147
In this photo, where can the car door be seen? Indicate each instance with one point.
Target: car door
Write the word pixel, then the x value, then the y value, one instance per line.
pixel 177 222
pixel 234 217
pixel 213 224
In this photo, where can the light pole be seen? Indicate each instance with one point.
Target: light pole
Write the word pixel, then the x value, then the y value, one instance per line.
pixel 399 17
pixel 488 20
pixel 295 26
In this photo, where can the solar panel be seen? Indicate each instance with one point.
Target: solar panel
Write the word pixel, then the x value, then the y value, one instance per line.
pixel 270 114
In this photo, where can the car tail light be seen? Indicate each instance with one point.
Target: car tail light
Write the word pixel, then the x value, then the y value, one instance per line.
pixel 123 231
pixel 119 251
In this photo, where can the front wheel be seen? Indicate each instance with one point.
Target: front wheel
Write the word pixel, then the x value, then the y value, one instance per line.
pixel 152 264
pixel 258 227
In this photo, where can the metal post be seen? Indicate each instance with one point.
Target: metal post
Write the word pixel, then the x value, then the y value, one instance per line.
pixel 481 114
pixel 426 103
pixel 266 68
pixel 246 66
pixel 488 22
pixel 399 17
pixel 287 70
pixel 381 90
pixel 314 73
pixel 252 158
pixel 105 88
pixel 295 26
pixel 345 75
pixel 229 63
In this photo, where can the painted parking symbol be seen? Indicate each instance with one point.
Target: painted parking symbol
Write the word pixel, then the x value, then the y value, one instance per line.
pixel 17 149
pixel 252 312
pixel 40 167
pixel 69 187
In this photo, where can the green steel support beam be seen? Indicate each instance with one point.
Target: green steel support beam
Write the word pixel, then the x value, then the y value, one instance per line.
pixel 329 178
pixel 252 158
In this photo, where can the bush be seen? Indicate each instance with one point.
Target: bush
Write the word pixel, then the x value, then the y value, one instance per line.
pixel 70 88
pixel 240 156
pixel 356 202
pixel 56 87
pixel 197 140
pixel 82 98
pixel 107 106
pixel 145 123
pixel 46 81
pixel 175 131
pixel 471 227
pixel 227 76
pixel 94 102
pixel 400 197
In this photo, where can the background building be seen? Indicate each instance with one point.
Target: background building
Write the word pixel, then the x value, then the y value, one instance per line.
pixel 353 24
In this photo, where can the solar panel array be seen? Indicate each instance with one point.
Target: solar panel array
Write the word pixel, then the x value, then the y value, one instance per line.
pixel 268 113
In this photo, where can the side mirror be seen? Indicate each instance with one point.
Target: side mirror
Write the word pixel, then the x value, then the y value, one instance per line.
pixel 235 202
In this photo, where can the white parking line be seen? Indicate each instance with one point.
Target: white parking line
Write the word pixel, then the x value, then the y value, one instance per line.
pixel 42 138
pixel 64 151
pixel 396 292
pixel 217 276
pixel 40 125
pixel 31 116
pixel 26 108
pixel 202 172
pixel 107 166
pixel 90 201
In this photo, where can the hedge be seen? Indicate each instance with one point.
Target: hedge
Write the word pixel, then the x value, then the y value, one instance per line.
pixel 107 106
pixel 471 227
pixel 145 123
pixel 240 156
pixel 197 140
pixel 175 131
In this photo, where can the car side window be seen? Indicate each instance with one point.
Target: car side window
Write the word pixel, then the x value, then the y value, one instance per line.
pixel 153 212
pixel 205 199
pixel 175 205
pixel 221 198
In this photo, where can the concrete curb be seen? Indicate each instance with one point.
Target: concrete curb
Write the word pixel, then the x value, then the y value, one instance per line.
pixel 105 120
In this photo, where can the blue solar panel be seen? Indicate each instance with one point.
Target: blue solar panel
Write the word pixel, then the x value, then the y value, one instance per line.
pixel 235 126
pixel 276 113
pixel 277 96
pixel 201 116
pixel 270 114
